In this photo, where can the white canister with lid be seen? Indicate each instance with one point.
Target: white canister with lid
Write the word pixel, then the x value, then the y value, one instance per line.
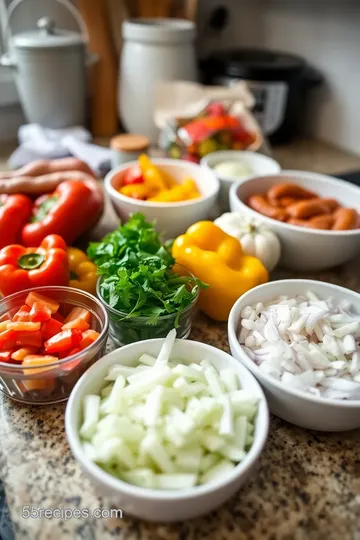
pixel 49 66
pixel 154 50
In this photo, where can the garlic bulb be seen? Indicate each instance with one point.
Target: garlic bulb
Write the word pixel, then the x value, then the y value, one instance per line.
pixel 256 240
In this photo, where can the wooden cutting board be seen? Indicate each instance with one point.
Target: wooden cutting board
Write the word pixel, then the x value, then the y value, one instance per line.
pixel 103 73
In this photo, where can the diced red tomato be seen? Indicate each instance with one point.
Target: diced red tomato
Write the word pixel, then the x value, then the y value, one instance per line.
pixel 28 339
pixel 88 337
pixel 24 326
pixel 81 324
pixel 50 328
pixel 7 340
pixel 20 354
pixel 22 315
pixel 58 317
pixel 78 313
pixel 133 176
pixel 5 356
pixel 40 312
pixel 65 340
pixel 32 297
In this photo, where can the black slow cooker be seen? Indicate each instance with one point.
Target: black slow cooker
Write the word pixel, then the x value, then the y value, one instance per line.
pixel 280 83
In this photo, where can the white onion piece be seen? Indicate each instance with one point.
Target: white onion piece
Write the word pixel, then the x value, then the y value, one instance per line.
pixel 308 343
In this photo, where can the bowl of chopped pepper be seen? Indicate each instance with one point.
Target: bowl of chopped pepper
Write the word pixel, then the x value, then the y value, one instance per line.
pixel 169 190
pixel 48 337
pixel 144 291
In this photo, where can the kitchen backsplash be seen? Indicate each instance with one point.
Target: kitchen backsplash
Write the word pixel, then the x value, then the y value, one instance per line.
pixel 325 33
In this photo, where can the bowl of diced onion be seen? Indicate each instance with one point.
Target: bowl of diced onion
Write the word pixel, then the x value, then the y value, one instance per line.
pixel 167 429
pixel 301 340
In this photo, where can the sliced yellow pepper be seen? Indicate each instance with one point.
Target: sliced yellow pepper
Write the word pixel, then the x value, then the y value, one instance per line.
pixel 152 175
pixel 83 272
pixel 181 192
pixel 218 259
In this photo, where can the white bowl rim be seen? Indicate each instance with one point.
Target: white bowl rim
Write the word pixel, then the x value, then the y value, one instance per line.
pixel 151 204
pixel 297 174
pixel 161 495
pixel 345 403
pixel 236 155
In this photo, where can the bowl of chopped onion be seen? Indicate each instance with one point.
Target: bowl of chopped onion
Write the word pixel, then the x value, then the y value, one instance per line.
pixel 301 340
pixel 167 429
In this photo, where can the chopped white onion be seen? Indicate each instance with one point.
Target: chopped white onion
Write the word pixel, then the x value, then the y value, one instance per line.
pixel 307 343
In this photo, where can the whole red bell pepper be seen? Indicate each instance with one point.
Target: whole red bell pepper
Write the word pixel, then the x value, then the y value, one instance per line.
pixel 25 268
pixel 15 210
pixel 69 211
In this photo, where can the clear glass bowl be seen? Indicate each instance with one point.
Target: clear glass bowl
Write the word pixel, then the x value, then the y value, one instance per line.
pixel 54 382
pixel 124 331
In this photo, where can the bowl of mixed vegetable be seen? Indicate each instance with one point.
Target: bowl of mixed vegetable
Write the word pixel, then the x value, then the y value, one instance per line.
pixel 48 337
pixel 142 289
pixel 167 429
pixel 168 190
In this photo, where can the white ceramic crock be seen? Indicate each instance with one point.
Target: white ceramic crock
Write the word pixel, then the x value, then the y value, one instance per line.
pixel 154 50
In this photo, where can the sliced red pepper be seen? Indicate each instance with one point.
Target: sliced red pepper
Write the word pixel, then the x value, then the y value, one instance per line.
pixel 7 340
pixel 133 176
pixel 50 328
pixel 88 338
pixel 52 304
pixel 24 326
pixel 40 312
pixel 3 326
pixel 78 313
pixel 5 356
pixel 81 324
pixel 28 339
pixel 22 315
pixel 15 211
pixel 65 340
pixel 58 317
pixel 20 354
pixel 69 211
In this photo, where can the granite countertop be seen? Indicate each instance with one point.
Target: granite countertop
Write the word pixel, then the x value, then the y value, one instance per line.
pixel 307 486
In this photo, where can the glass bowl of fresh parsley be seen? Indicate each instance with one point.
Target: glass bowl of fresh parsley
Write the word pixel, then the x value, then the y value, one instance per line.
pixel 144 292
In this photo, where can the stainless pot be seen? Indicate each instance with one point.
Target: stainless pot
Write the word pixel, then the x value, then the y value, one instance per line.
pixel 49 66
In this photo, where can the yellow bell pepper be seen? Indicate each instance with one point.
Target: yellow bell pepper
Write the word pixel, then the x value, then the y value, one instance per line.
pixel 152 176
pixel 83 272
pixel 218 259
pixel 181 192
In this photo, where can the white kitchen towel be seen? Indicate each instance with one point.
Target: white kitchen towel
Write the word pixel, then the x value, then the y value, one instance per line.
pixel 37 142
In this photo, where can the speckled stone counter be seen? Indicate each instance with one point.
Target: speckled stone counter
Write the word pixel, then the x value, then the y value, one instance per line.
pixel 307 486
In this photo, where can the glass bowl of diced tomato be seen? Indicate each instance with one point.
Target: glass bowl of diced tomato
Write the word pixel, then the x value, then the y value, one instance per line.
pixel 49 336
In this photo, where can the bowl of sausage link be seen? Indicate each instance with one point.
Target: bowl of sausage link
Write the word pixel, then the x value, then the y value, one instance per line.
pixel 315 216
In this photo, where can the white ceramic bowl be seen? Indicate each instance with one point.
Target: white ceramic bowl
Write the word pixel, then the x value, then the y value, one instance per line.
pixel 258 163
pixel 172 219
pixel 294 406
pixel 304 249
pixel 155 505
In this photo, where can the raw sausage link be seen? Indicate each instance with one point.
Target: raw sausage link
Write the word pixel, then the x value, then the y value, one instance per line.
pixel 286 201
pixel 48 166
pixel 261 205
pixel 318 222
pixel 288 190
pixel 314 207
pixel 44 183
pixel 345 219
pixel 321 222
